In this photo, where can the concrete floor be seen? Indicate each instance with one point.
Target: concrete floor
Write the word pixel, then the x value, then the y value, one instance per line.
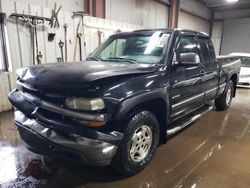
pixel 212 152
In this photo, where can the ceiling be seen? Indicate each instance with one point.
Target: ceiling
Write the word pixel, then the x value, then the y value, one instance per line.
pixel 223 5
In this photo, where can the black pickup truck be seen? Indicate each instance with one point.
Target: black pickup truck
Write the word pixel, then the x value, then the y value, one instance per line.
pixel 131 93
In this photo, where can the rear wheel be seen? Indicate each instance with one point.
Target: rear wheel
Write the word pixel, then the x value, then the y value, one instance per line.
pixel 141 138
pixel 224 101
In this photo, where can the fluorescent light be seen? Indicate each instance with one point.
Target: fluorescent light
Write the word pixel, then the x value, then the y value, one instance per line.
pixel 232 1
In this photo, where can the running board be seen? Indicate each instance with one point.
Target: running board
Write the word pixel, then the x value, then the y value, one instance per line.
pixel 187 121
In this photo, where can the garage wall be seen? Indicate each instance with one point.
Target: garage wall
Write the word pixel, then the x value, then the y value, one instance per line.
pixel 237 24
pixel 20 51
pixel 217 35
pixel 146 13
pixel 4 90
pixel 68 5
pixel 196 8
pixel 239 29
pixel 194 15
pixel 21 46
pixel 232 14
pixel 188 21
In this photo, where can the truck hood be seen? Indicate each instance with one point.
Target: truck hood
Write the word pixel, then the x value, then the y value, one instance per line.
pixel 76 75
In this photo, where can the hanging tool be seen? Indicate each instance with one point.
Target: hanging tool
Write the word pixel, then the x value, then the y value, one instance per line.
pixel 54 18
pixel 99 37
pixel 79 34
pixel 65 42
pixel 25 17
pixel 61 44
pixel 83 33
pixel 59 59
pixel 38 55
pixel 51 36
pixel 32 32
pixel 5 52
pixel 33 23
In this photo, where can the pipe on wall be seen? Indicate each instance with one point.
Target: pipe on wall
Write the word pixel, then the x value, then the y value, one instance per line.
pixel 3 42
pixel 211 24
pixel 174 13
pixel 95 8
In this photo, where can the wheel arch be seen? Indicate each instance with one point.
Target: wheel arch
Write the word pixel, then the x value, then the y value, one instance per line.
pixel 155 102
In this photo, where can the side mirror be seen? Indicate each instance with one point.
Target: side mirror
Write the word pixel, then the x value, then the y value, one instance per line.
pixel 189 58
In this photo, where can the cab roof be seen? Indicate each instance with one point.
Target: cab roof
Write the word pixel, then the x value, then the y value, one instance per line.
pixel 164 30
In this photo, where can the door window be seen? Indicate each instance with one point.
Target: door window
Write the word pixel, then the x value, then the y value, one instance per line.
pixel 187 45
pixel 206 50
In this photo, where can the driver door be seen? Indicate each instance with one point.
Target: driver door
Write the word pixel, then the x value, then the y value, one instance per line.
pixel 186 93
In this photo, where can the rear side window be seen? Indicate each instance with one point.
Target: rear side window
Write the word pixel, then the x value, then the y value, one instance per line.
pixel 206 49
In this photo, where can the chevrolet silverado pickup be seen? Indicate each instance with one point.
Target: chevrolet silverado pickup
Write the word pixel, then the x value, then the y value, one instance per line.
pixel 132 93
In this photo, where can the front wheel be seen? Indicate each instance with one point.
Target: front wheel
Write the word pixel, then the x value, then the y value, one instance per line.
pixel 141 138
pixel 224 101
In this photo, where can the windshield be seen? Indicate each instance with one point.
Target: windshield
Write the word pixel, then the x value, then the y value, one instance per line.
pixel 147 49
pixel 245 61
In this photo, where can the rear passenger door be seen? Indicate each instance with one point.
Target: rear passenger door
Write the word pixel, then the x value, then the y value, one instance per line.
pixel 211 67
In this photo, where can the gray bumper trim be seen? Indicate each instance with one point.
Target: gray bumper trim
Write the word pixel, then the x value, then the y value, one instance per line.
pixel 93 150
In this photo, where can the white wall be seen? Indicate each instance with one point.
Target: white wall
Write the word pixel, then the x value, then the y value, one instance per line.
pixel 196 8
pixel 4 90
pixel 217 35
pixel 194 15
pixel 236 36
pixel 232 14
pixel 67 5
pixel 236 27
pixel 19 37
pixel 188 21
pixel 149 14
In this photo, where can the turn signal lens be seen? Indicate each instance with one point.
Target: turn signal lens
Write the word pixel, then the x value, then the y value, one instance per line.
pixel 95 123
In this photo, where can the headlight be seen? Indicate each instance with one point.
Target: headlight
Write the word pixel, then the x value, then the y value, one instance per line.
pixel 84 104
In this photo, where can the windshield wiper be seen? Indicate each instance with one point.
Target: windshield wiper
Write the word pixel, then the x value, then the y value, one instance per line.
pixel 92 58
pixel 132 61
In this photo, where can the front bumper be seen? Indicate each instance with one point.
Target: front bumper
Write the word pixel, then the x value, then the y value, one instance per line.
pixel 244 82
pixel 46 133
pixel 46 141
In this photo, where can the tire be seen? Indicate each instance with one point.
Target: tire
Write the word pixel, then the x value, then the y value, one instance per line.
pixel 139 127
pixel 224 101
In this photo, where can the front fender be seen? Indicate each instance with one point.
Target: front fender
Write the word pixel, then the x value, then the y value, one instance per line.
pixel 128 104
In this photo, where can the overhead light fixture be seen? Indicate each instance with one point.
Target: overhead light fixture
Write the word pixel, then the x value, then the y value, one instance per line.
pixel 232 1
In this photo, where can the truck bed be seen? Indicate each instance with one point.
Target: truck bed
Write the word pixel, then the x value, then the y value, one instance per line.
pixel 229 63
